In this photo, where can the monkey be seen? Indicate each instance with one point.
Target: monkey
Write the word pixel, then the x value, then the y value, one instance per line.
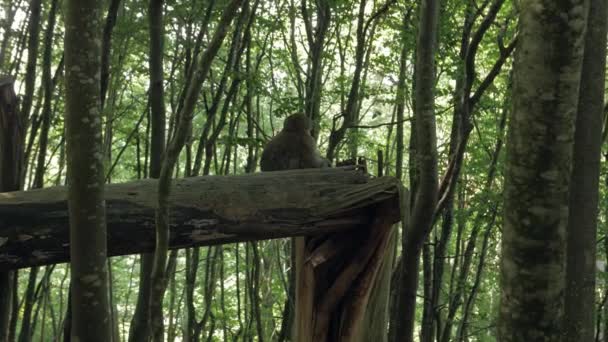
pixel 293 147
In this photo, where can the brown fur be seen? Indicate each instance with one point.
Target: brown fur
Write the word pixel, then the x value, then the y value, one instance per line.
pixel 293 147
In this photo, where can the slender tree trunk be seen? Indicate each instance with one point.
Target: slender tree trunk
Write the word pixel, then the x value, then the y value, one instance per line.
pixel 232 67
pixel 314 81
pixel 106 48
pixel 156 94
pixel 10 8
pixel 6 303
pixel 456 293
pixel 350 111
pixel 32 56
pixel 192 262
pixel 48 96
pixel 546 81
pixel 21 46
pixel 289 306
pixel 173 310
pixel 11 162
pixel 425 199
pixel 365 40
pixel 88 246
pixel 254 291
pixel 108 111
pixel 175 146
pixel 584 190
pixel 67 323
pixel 140 330
pixel 157 111
pixel 25 333
pixel 27 328
pixel 394 309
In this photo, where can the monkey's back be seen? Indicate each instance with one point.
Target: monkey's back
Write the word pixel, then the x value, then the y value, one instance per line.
pixel 289 150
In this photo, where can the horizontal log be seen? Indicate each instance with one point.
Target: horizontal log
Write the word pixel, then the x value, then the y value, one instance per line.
pixel 204 211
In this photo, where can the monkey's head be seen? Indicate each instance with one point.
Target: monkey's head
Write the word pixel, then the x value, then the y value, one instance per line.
pixel 297 123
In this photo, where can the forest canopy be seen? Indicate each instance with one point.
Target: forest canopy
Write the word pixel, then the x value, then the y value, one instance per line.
pixel 501 236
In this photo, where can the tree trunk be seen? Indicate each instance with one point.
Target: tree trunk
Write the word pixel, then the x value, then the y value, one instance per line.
pixel 425 200
pixel 106 48
pixel 546 80
pixel 157 111
pixel 32 56
pixel 162 218
pixel 48 97
pixel 139 329
pixel 11 161
pixel 10 11
pixel 316 46
pixel 377 313
pixel 365 40
pixel 87 214
pixel 25 333
pixel 584 191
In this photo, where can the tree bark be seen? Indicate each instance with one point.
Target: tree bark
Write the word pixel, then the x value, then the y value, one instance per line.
pixel 11 162
pixel 546 80
pixel 32 56
pixel 316 46
pixel 421 220
pixel 157 112
pixel 87 212
pixel 106 48
pixel 10 11
pixel 47 82
pixel 584 191
pixel 162 219
pixel 33 229
pixel 139 329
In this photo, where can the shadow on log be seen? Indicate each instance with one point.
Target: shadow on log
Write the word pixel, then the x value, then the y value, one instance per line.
pixel 204 211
